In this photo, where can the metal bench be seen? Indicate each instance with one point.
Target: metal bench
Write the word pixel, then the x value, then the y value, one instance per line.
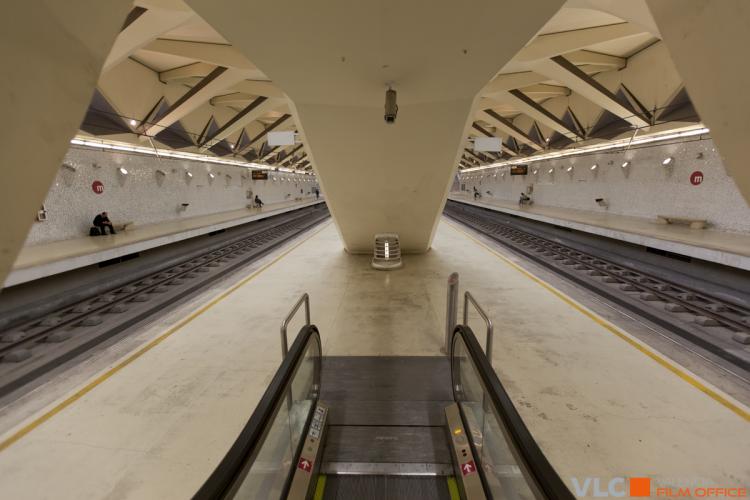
pixel 693 223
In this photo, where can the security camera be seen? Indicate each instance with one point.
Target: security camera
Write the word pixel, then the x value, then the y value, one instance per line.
pixel 391 108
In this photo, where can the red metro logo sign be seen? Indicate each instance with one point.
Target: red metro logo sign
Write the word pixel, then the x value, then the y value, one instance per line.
pixel 97 187
pixel 696 178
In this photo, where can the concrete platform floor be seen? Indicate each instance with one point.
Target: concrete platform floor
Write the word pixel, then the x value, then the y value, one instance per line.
pixel 46 259
pixel 721 247
pixel 156 423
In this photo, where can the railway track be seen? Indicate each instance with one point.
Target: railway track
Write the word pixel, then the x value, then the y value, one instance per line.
pixel 31 349
pixel 714 324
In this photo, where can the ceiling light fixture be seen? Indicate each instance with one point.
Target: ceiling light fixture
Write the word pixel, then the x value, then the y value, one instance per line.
pixel 133 123
pixel 569 169
pixel 625 164
pixel 667 161
pixel 594 166
pixel 550 170
pixel 123 171
pixel 189 174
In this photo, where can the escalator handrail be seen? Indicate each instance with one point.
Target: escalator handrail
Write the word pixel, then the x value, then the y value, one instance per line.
pixel 546 479
pixel 251 437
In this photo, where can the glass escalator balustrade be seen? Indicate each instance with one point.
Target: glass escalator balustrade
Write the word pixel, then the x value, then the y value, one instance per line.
pixel 267 475
pixel 502 473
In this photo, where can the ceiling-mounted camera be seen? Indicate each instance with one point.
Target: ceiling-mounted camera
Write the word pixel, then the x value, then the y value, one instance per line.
pixel 391 108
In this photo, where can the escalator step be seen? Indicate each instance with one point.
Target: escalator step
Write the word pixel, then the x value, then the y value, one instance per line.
pixel 386 488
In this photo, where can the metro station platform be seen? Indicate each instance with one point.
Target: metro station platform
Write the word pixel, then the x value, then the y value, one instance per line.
pixel 39 261
pixel 729 249
pixel 154 424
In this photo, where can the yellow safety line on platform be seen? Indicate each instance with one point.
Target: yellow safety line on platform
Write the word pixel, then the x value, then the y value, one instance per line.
pixel 140 352
pixel 643 348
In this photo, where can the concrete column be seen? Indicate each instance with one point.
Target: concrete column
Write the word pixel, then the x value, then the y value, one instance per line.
pixel 52 53
pixel 335 60
pixel 708 42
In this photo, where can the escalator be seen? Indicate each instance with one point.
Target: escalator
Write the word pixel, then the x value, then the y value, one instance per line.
pixel 384 428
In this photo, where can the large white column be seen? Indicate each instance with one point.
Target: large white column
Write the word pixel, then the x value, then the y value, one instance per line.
pixel 52 53
pixel 708 42
pixel 335 59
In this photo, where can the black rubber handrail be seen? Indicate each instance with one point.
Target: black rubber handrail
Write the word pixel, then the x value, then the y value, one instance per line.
pixel 251 438
pixel 546 479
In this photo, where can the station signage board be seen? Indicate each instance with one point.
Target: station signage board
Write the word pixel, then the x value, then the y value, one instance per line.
pixel 259 175
pixel 519 170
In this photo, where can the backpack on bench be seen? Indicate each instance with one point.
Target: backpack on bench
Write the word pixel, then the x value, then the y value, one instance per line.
pixel 94 231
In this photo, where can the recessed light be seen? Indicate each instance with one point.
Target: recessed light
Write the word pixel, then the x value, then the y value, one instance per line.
pixel 123 171
pixel 550 170
pixel 625 164
pixel 667 161
pixel 536 171
pixel 569 169
pixel 594 166
pixel 189 174
pixel 211 175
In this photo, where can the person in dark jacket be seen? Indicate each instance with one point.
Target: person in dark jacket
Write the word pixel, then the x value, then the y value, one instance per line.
pixel 101 222
pixel 258 202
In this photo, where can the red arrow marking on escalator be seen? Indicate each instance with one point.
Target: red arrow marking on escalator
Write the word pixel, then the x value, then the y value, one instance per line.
pixel 468 468
pixel 304 464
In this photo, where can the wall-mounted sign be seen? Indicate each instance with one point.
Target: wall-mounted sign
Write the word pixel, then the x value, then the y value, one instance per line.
pixel 259 175
pixel 97 187
pixel 696 178
pixel 488 144
pixel 519 170
pixel 281 138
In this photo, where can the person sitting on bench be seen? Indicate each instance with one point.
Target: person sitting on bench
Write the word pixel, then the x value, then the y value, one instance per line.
pixel 524 199
pixel 258 202
pixel 101 222
pixel 477 194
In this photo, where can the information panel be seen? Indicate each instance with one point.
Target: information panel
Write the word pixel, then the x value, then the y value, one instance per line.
pixel 519 170
pixel 259 175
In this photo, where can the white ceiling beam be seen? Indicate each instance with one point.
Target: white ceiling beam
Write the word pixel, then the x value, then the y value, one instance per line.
pixel 563 71
pixel 507 126
pixel 211 53
pixel 146 28
pixel 257 108
pixel 233 99
pixel 512 81
pixel 586 57
pixel 543 90
pixel 214 83
pixel 195 70
pixel 536 111
pixel 255 87
pixel 554 44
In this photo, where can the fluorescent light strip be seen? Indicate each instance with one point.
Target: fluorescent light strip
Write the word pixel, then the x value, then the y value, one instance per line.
pixel 591 149
pixel 79 141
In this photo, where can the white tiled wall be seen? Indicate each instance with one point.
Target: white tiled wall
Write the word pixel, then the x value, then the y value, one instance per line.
pixel 644 189
pixel 144 196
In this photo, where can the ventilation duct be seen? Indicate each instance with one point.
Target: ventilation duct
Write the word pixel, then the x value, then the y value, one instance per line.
pixel 387 252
